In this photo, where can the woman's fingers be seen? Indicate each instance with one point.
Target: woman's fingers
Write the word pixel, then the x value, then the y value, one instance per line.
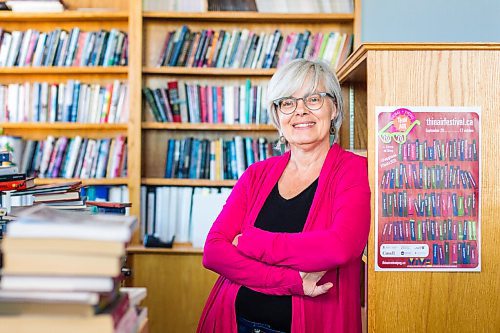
pixel 321 289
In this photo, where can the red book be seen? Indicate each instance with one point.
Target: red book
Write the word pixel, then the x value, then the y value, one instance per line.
pixel 173 93
pixel 109 204
pixel 203 102
pixel 219 105
pixel 17 184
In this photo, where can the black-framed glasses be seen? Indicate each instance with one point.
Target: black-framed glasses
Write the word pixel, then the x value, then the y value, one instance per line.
pixel 288 105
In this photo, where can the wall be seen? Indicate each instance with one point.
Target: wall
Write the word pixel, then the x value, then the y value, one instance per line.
pixel 430 21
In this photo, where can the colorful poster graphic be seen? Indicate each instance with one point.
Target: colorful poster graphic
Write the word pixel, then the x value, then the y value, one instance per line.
pixel 427 200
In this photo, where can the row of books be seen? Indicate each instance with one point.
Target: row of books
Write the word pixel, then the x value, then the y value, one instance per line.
pixel 74 263
pixel 62 48
pixel 71 101
pixel 429 230
pixel 71 157
pixel 402 204
pixel 423 176
pixel 248 49
pixel 439 150
pixel 214 159
pixel 194 103
pixel 184 212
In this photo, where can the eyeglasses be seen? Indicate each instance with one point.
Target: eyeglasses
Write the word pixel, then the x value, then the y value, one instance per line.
pixel 288 105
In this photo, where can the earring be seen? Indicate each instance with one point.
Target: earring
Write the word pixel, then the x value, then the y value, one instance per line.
pixel 282 141
pixel 332 133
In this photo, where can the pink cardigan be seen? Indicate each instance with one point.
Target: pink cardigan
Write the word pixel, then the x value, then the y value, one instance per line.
pixel 333 239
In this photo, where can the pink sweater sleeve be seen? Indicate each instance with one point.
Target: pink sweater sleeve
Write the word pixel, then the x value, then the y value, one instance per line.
pixel 313 251
pixel 222 257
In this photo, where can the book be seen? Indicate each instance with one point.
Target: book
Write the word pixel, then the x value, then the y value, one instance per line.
pixel 66 246
pixel 41 263
pixel 17 184
pixel 58 283
pixel 45 222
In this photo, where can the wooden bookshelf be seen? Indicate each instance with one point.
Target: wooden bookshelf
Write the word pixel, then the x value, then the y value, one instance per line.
pixel 88 15
pixel 378 74
pixel 147 141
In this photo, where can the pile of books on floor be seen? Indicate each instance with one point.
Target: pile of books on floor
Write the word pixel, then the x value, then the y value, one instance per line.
pixel 61 273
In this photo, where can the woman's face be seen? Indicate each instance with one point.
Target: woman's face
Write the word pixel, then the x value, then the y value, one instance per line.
pixel 305 127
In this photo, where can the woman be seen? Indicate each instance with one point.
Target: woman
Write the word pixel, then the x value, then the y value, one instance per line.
pixel 288 241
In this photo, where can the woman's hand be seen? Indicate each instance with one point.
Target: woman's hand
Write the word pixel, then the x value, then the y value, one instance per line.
pixel 309 283
pixel 235 240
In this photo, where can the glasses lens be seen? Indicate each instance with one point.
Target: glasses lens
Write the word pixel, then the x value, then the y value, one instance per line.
pixel 314 102
pixel 287 105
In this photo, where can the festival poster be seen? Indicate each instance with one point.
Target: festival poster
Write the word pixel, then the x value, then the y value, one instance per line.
pixel 427 197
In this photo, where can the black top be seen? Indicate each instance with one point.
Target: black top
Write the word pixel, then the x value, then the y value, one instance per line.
pixel 277 215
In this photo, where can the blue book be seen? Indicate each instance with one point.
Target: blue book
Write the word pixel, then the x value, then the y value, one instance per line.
pixel 435 249
pixel 170 158
pixel 214 103
pixel 232 160
pixel 249 151
pixel 178 46
pixel 194 159
pixel 74 106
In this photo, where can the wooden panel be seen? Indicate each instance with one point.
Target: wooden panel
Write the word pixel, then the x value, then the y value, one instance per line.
pixel 207 127
pixel 188 182
pixel 178 287
pixel 85 182
pixel 46 25
pixel 440 302
pixel 135 104
pixel 111 4
pixel 251 17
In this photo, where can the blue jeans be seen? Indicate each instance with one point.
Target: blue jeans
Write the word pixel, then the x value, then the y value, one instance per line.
pixel 247 326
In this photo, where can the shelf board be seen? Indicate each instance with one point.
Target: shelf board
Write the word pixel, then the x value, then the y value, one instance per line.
pixel 93 181
pixel 54 70
pixel 70 15
pixel 207 71
pixel 185 248
pixel 251 17
pixel 187 182
pixel 354 69
pixel 62 126
pixel 206 127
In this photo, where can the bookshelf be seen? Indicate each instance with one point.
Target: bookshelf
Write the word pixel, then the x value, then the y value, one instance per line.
pixel 454 74
pixel 96 15
pixel 175 273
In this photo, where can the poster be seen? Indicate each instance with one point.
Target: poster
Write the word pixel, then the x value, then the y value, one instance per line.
pixel 427 197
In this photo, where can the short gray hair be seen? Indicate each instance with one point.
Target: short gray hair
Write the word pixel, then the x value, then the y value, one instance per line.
pixel 290 78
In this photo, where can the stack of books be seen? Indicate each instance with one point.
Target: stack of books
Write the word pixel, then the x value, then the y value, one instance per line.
pixel 65 196
pixel 61 273
pixel 10 178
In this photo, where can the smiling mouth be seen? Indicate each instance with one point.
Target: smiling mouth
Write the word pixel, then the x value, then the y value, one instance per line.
pixel 303 125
